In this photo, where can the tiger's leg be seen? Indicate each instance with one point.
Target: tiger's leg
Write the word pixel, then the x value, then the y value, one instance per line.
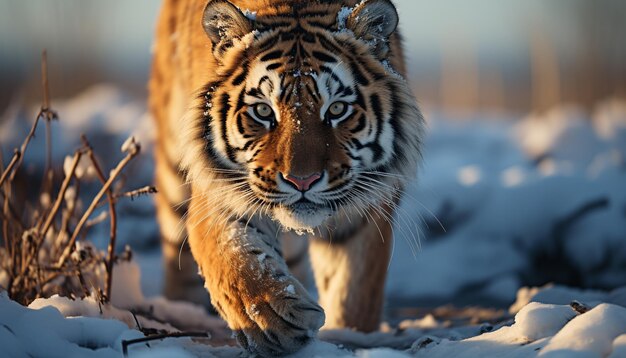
pixel 167 105
pixel 181 279
pixel 270 312
pixel 350 274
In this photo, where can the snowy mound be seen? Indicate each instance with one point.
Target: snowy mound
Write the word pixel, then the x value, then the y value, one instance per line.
pixel 60 327
pixel 503 204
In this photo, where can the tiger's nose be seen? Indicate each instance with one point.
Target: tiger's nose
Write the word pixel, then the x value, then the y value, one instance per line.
pixel 302 183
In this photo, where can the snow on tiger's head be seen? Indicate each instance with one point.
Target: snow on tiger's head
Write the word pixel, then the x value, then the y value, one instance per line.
pixel 305 116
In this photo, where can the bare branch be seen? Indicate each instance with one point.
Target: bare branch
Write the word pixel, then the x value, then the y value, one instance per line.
pixel 131 153
pixel 146 190
pixel 156 337
pixel 61 195
pixel 16 156
pixel 112 215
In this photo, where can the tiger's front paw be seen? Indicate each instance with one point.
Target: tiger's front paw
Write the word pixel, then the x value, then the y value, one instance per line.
pixel 280 321
pixel 277 319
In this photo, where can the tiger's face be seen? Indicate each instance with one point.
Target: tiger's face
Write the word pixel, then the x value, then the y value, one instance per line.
pixel 306 118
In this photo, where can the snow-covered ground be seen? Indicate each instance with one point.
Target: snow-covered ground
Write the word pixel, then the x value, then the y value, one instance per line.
pixel 59 327
pixel 502 202
pixel 513 203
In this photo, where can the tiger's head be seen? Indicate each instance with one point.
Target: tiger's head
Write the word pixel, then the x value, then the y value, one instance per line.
pixel 306 117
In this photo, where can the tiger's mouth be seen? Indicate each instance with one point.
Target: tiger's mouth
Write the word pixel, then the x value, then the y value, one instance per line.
pixel 302 215
pixel 305 205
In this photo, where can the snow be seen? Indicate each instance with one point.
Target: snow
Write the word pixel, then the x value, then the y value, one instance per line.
pixel 67 328
pixel 503 206
pixel 46 333
pixel 500 188
pixel 588 335
pixel 542 330
pixel 342 16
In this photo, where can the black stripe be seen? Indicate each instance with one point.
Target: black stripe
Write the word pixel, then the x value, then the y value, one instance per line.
pixel 331 47
pixel 375 102
pixel 360 124
pixel 312 93
pixel 340 89
pixel 348 47
pixel 207 134
pixel 360 100
pixel 256 152
pixel 240 102
pixel 272 55
pixel 254 92
pixel 242 76
pixel 287 36
pixel 292 53
pixel 240 126
pixel 303 51
pixel 358 74
pixel 325 26
pixel 313 13
pixel 248 144
pixel 374 145
pixel 376 149
pixel 288 95
pixel 224 101
pixel 272 24
pixel 332 74
pixel 273 66
pixel 270 84
pixel 269 43
pixel 308 37
pixel 324 57
pixel 315 88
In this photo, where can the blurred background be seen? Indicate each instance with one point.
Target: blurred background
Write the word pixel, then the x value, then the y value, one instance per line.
pixel 462 56
pixel 523 181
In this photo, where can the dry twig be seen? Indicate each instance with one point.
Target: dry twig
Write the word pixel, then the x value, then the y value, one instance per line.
pixel 114 173
pixel 41 257
pixel 156 337
pixel 146 190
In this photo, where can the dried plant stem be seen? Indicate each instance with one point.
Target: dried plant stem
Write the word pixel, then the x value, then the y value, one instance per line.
pixel 65 220
pixel 55 208
pixel 5 229
pixel 44 79
pixel 146 190
pixel 23 147
pixel 155 337
pixel 16 156
pixel 61 195
pixel 46 106
pixel 49 115
pixel 114 173
pixel 44 112
pixel 112 218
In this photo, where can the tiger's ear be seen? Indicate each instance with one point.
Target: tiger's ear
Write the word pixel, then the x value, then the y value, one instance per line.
pixel 223 22
pixel 374 21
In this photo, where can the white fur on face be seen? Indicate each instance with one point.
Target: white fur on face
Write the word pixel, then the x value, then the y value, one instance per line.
pixel 306 219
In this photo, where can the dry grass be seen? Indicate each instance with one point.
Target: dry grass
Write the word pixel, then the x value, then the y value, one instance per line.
pixel 42 252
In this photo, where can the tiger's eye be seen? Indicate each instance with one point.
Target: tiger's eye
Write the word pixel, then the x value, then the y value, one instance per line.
pixel 337 109
pixel 263 111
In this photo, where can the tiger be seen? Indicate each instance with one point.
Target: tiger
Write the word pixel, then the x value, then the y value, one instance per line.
pixel 281 118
